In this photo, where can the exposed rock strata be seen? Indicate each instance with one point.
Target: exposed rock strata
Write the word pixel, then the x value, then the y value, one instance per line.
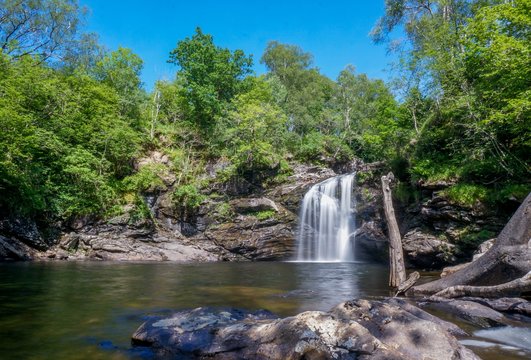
pixel 238 221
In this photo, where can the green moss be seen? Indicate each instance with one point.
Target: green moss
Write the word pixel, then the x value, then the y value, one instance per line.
pixel 264 215
pixel 511 192
pixel 363 176
pixel 366 195
pixel 284 172
pixel 470 240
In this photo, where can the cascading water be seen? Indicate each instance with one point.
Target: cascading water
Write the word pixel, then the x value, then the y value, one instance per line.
pixel 327 221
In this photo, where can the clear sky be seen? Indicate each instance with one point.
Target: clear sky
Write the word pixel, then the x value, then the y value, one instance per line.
pixel 334 31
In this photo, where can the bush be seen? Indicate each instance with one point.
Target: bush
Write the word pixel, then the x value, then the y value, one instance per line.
pixel 187 199
pixel 434 170
pixel 467 194
pixel 147 179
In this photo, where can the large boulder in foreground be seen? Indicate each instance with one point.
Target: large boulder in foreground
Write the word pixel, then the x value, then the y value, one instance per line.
pixel 357 329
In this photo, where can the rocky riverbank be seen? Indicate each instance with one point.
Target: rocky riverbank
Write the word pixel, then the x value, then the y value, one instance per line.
pixel 436 232
pixel 357 329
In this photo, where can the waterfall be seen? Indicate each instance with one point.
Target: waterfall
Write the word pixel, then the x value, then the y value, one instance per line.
pixel 327 221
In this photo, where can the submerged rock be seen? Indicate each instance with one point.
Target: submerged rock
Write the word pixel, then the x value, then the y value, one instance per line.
pixel 357 329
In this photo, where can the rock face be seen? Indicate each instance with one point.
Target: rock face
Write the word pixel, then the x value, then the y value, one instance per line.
pixel 13 249
pixel 239 220
pixel 244 220
pixel 426 251
pixel 357 329
pixel 435 232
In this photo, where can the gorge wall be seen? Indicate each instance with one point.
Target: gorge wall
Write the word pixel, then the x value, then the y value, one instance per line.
pixel 241 221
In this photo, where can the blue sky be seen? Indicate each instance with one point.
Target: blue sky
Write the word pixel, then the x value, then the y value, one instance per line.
pixel 335 32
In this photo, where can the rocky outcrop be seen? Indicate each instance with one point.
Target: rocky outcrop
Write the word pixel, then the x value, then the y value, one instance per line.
pixel 238 220
pixel 291 192
pixel 108 243
pixel 13 249
pixel 357 329
pixel 255 238
pixel 25 230
pixel 245 220
pixel 426 251
pixel 435 231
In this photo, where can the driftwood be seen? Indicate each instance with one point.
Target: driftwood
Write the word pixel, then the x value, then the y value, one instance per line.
pixel 512 288
pixel 508 259
pixel 411 280
pixel 397 273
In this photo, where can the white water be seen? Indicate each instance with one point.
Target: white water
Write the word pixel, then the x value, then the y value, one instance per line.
pixel 327 221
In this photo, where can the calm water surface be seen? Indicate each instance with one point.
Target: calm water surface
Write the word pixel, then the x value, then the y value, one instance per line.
pixel 89 310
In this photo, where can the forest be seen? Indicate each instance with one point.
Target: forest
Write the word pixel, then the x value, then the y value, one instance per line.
pixel 74 115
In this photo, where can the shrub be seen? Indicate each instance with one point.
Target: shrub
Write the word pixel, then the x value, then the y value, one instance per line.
pixel 467 194
pixel 187 199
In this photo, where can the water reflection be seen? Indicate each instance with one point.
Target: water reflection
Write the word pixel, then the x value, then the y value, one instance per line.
pixel 73 310
pixel 90 310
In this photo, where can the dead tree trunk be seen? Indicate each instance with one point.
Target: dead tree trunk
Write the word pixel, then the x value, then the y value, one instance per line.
pixel 508 259
pixel 512 288
pixel 397 274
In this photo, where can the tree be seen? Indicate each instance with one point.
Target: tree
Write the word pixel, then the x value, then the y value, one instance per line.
pixel 84 55
pixel 209 75
pixel 255 133
pixel 308 93
pixel 121 70
pixel 468 61
pixel 286 61
pixel 369 123
pixel 64 146
pixel 39 28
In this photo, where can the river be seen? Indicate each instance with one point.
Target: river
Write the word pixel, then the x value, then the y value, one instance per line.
pixel 88 310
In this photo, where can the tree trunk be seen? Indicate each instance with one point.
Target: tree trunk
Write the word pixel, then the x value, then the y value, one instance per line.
pixel 397 274
pixel 508 259
pixel 513 288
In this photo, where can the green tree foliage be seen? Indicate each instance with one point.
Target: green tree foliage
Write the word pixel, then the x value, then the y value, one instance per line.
pixel 255 133
pixel 63 141
pixel 368 116
pixel 209 75
pixel 469 95
pixel 120 70
pixel 307 92
pixel 40 28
